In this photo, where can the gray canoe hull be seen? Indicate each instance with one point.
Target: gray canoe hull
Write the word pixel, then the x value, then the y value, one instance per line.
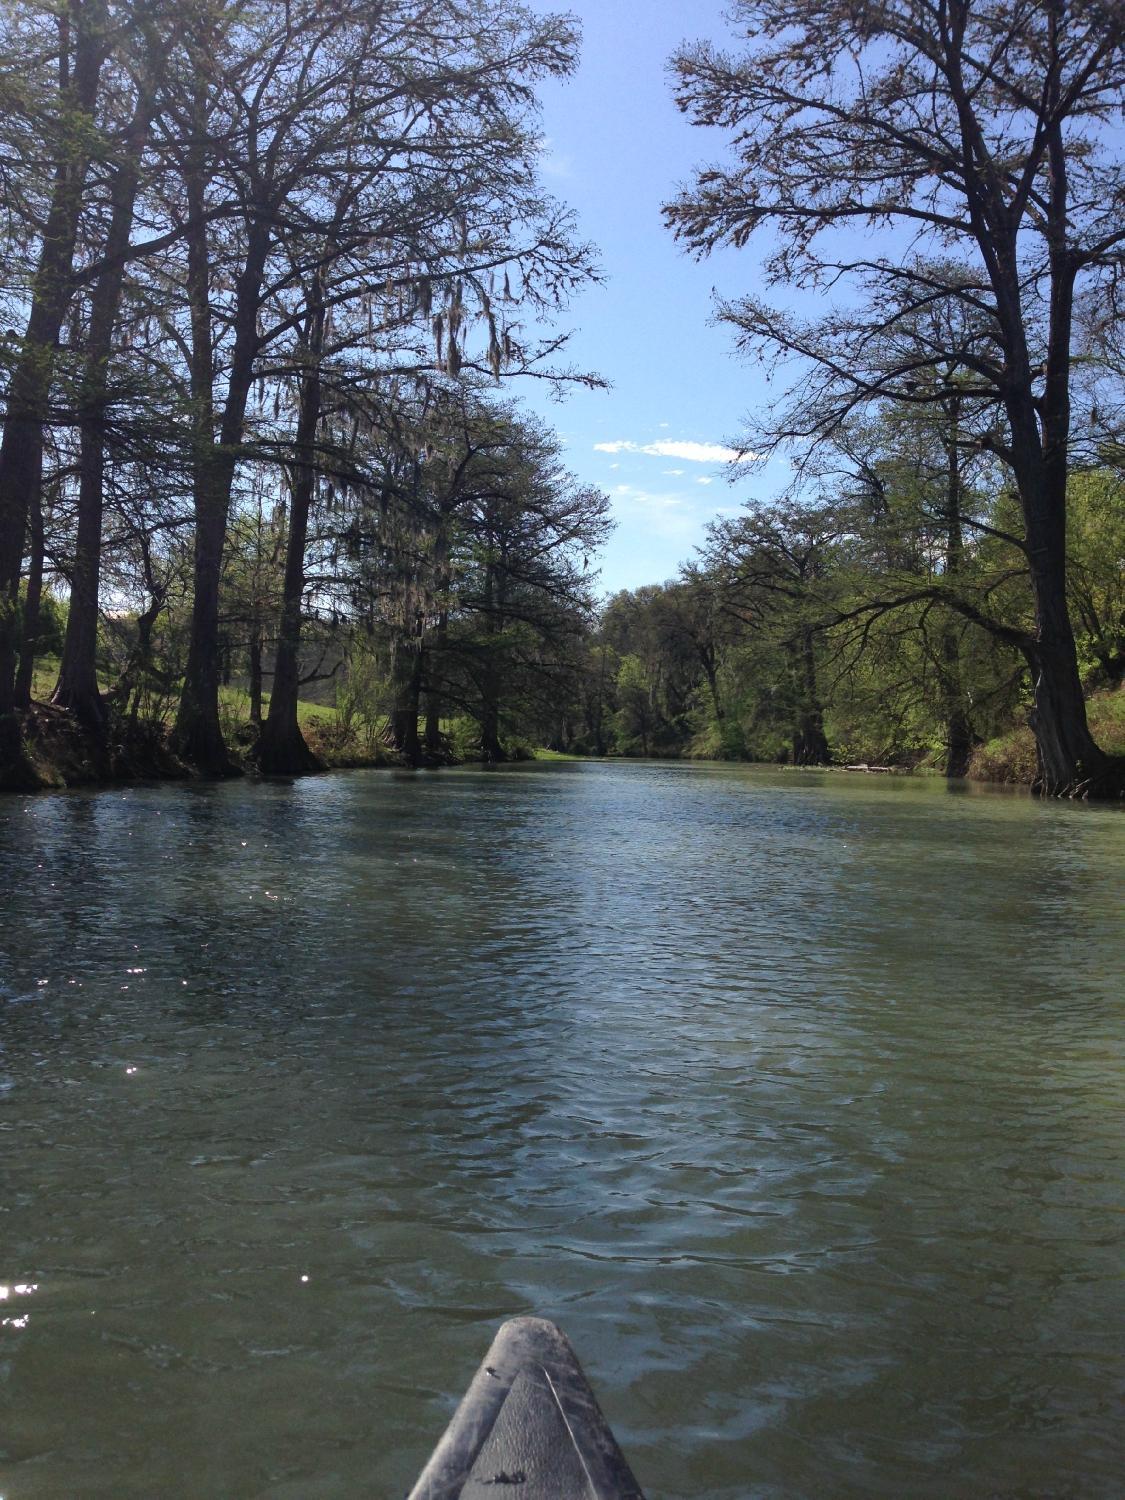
pixel 528 1428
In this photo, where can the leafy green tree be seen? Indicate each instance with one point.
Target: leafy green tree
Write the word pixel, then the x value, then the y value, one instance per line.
pixel 1096 571
pixel 770 565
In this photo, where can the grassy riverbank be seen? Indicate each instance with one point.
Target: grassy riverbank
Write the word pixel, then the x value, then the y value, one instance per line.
pixel 1011 757
pixel 64 753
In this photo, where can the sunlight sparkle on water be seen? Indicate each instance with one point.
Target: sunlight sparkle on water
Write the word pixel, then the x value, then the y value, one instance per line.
pixel 16 1289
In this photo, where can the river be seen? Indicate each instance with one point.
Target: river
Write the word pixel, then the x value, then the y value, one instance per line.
pixel 796 1098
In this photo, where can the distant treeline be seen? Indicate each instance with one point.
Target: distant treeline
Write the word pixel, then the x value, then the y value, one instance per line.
pixel 879 623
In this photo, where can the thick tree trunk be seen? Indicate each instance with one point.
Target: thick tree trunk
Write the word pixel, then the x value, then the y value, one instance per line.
pixel 21 447
pixel 406 674
pixel 810 747
pixel 810 743
pixel 20 470
pixel 77 688
pixel 708 660
pixel 282 749
pixel 1070 763
pixel 959 741
pixel 198 735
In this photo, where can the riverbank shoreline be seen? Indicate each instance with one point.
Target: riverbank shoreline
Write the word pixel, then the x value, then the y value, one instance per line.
pixel 63 756
pixel 61 753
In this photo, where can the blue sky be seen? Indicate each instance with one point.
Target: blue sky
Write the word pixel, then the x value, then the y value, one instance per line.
pixel 617 149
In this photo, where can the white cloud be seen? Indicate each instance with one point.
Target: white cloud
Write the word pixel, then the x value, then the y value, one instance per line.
pixel 664 515
pixel 676 473
pixel 696 453
pixel 705 481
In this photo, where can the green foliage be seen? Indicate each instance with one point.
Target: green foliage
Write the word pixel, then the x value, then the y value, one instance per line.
pixel 879 622
pixel 363 692
pixel 635 720
pixel 1096 572
pixel 1107 720
pixel 1009 757
pixel 51 629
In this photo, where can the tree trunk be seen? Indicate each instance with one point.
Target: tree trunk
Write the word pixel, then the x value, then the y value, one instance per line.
pixel 282 749
pixel 77 688
pixel 21 447
pixel 713 685
pixel 434 739
pixel 406 673
pixel 29 645
pixel 810 744
pixel 1070 763
pixel 131 683
pixel 958 729
pixel 959 741
pixel 490 745
pixel 435 650
pixel 255 653
pixel 198 735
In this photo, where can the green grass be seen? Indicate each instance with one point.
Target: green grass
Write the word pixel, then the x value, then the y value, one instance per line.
pixel 45 676
pixel 1011 757
pixel 543 754
pixel 1106 714
pixel 235 703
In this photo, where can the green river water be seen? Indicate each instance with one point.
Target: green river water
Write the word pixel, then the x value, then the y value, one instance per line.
pixel 797 1098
